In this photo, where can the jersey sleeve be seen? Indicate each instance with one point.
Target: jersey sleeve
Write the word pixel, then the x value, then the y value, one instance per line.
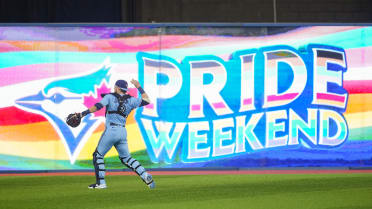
pixel 135 102
pixel 105 100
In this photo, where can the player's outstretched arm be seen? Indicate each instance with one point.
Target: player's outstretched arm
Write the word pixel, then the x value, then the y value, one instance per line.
pixel 74 119
pixel 145 97
pixel 89 110
pixel 95 107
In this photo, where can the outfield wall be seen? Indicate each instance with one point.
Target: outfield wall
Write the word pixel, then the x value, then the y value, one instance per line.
pixel 223 96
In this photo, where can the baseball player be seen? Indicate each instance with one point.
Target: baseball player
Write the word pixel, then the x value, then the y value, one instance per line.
pixel 118 106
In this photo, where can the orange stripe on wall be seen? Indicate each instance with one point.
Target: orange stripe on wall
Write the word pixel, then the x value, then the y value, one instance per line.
pixel 359 103
pixel 40 131
pixel 47 45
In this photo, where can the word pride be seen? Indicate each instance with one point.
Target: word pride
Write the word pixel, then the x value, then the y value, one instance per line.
pixel 205 107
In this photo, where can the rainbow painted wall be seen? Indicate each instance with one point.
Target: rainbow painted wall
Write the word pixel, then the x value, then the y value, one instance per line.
pixel 222 96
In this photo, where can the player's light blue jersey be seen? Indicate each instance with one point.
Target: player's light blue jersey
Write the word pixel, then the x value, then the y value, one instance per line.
pixel 112 103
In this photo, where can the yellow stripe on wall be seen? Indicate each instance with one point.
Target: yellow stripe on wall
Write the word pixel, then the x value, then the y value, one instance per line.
pixel 358 103
pixel 359 120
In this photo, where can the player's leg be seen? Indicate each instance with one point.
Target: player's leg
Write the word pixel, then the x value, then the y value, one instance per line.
pixel 133 164
pixel 125 157
pixel 104 145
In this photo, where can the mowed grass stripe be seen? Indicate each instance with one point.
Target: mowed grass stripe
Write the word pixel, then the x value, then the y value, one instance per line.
pixel 289 191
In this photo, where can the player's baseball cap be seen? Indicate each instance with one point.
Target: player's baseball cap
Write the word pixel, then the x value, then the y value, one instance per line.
pixel 122 84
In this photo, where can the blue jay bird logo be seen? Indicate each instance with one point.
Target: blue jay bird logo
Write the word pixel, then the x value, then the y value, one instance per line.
pixel 63 96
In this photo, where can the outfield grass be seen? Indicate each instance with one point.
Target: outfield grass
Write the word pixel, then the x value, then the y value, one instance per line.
pixel 274 191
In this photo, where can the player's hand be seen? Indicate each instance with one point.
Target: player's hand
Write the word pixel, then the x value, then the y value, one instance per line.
pixel 77 115
pixel 73 119
pixel 135 83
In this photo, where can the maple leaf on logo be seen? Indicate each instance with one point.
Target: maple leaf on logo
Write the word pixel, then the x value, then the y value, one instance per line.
pixel 133 92
pixel 90 100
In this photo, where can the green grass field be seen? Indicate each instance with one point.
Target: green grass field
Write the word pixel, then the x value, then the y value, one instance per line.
pixel 273 191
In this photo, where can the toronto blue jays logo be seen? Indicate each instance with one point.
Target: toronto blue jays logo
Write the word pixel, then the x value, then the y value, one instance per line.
pixel 65 95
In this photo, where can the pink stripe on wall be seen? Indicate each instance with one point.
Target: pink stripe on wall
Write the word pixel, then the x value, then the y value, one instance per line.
pixel 331 97
pixel 358 87
pixel 359 57
pixel 150 106
pixel 128 44
pixel 219 105
pixel 26 73
pixel 195 107
pixel 150 43
pixel 289 96
pixel 247 101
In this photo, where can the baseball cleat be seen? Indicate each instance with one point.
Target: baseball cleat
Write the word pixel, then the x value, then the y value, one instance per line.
pixel 149 181
pixel 97 186
pixel 151 185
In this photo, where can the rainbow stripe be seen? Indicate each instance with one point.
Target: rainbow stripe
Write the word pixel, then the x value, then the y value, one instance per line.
pixel 26 64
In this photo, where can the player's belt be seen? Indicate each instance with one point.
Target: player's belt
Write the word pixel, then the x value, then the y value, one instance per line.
pixel 114 124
